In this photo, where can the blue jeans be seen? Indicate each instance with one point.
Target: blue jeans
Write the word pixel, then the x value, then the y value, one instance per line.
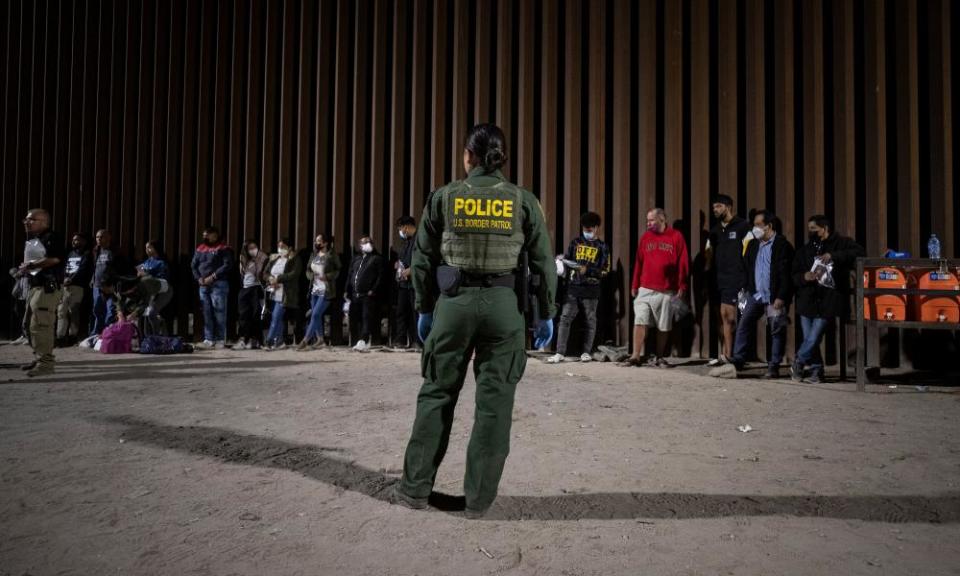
pixel 748 327
pixel 318 305
pixel 104 311
pixel 214 300
pixel 809 352
pixel 278 324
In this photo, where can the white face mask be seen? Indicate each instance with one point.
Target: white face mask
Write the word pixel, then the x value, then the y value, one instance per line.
pixel 758 232
pixel 366 247
pixel 284 252
pixel 253 252
pixel 588 235
pixel 403 234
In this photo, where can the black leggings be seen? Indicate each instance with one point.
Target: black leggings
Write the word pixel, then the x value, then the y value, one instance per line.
pixel 248 307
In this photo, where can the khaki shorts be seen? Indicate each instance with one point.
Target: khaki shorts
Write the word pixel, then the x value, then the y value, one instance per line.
pixel 652 308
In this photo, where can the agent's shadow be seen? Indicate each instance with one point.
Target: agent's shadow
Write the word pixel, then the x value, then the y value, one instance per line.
pixel 317 463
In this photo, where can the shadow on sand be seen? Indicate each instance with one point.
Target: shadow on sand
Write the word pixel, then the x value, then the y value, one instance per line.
pixel 317 462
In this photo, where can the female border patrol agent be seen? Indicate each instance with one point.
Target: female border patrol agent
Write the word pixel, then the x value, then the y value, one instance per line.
pixel 467 277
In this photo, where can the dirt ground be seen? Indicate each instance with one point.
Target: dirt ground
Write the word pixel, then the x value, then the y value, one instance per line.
pixel 277 463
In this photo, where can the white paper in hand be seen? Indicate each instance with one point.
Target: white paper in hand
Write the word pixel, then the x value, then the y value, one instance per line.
pixel 824 272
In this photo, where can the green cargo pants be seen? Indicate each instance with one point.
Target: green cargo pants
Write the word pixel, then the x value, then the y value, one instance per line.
pixel 43 314
pixel 485 320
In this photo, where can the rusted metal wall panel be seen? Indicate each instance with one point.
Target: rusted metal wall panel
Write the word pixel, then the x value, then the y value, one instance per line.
pixel 265 118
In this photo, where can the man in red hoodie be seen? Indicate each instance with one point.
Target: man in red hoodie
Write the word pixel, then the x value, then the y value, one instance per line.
pixel 659 277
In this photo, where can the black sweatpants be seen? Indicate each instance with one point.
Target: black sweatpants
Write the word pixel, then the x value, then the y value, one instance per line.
pixel 363 319
pixel 406 333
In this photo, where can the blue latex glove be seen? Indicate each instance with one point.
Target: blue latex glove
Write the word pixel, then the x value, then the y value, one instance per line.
pixel 543 334
pixel 424 324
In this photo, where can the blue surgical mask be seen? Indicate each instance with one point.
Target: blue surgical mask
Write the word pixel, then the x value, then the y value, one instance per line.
pixel 588 235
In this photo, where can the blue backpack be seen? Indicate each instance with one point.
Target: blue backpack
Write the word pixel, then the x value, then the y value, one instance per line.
pixel 164 345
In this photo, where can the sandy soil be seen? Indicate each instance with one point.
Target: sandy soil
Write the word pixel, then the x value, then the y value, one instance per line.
pixel 276 463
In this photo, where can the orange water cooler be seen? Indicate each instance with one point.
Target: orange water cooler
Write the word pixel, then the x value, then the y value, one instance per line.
pixel 936 309
pixel 889 307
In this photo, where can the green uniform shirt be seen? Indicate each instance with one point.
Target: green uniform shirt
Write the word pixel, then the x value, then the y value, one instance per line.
pixel 427 257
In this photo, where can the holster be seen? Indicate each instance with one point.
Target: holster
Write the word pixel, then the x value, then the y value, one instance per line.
pixel 523 283
pixel 449 279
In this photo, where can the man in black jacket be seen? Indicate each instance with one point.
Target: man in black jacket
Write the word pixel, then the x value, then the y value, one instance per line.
pixel 817 302
pixel 363 285
pixel 767 264
pixel 406 333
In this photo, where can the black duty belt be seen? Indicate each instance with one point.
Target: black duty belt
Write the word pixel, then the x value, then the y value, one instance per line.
pixel 47 285
pixel 507 280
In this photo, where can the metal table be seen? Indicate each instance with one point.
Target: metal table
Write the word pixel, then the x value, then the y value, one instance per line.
pixel 902 263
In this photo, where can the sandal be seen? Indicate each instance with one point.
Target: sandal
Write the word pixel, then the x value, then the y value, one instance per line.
pixel 634 362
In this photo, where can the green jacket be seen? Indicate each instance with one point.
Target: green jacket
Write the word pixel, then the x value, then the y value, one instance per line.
pixel 331 269
pixel 537 244
pixel 290 279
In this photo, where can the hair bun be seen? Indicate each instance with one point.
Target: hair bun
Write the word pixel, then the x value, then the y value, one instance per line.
pixel 494 158
pixel 487 146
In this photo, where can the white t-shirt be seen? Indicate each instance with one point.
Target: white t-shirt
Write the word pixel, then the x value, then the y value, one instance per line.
pixel 319 278
pixel 249 279
pixel 278 267
pixel 33 250
pixel 250 273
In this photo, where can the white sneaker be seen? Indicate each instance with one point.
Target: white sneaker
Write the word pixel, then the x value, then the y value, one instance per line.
pixel 586 357
pixel 719 361
pixel 219 345
pixel 361 346
pixel 19 341
pixel 724 371
pixel 555 359
pixel 88 342
pixel 240 345
pixel 280 346
pixel 205 345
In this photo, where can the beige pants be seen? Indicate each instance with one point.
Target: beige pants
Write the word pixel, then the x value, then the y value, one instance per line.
pixel 652 308
pixel 68 312
pixel 43 312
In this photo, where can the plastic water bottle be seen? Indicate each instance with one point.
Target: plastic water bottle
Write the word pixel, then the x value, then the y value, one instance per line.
pixel 933 247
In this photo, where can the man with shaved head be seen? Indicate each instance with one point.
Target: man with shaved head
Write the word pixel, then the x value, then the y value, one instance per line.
pixel 660 278
pixel 43 266
pixel 104 276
